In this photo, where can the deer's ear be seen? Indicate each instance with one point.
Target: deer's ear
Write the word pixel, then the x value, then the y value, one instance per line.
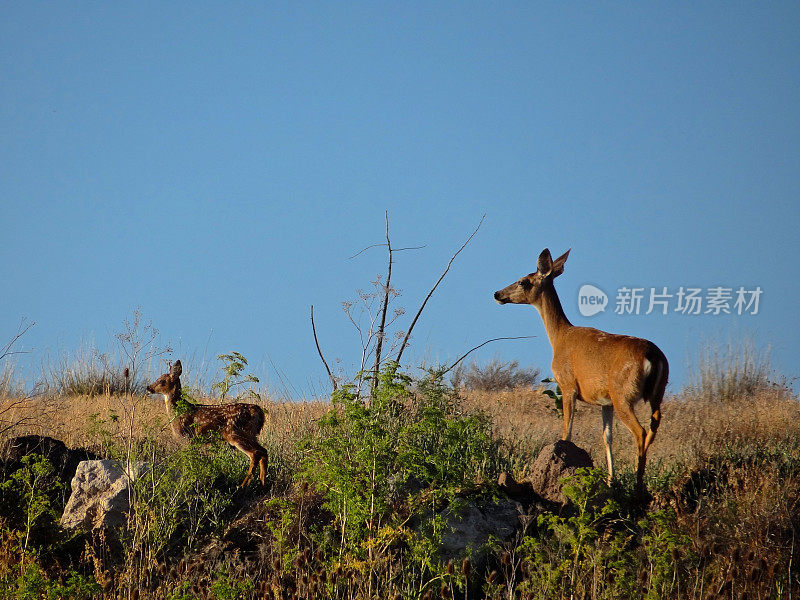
pixel 176 369
pixel 558 264
pixel 545 263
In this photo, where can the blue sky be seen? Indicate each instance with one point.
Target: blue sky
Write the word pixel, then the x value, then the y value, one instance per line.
pixel 217 164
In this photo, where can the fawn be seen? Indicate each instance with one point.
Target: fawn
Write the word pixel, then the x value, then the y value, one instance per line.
pixel 239 424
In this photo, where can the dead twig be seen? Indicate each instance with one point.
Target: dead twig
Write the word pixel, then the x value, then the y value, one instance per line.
pixel 466 354
pixel 433 289
pixel 381 245
pixel 23 328
pixel 384 307
pixel 319 351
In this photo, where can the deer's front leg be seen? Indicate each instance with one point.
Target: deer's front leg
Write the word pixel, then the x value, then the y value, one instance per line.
pixel 567 404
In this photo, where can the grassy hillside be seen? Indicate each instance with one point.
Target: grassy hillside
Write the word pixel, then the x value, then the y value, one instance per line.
pixel 349 480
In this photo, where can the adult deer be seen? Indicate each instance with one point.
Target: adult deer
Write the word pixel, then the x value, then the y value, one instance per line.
pixel 239 424
pixel 612 371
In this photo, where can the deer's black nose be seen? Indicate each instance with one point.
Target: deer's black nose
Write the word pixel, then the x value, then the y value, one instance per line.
pixel 497 295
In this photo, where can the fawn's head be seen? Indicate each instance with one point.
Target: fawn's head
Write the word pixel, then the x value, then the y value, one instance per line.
pixel 169 382
pixel 528 289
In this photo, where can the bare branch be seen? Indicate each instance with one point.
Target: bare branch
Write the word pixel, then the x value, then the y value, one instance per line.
pixel 381 245
pixel 364 250
pixel 21 330
pixel 385 305
pixel 316 341
pixel 433 289
pixel 519 337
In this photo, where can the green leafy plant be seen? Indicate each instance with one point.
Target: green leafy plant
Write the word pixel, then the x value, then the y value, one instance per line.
pixel 667 551
pixel 33 483
pixel 408 450
pixel 182 591
pixel 568 546
pixel 233 369
pixel 555 395
pixel 184 494
pixel 226 587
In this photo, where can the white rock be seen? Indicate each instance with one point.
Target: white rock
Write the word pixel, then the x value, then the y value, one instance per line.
pixel 101 494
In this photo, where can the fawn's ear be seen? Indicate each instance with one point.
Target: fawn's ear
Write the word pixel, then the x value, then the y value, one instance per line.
pixel 558 264
pixel 176 369
pixel 545 263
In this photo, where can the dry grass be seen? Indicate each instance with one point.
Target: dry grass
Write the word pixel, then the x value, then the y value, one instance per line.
pixel 74 419
pixel 690 430
pixel 525 418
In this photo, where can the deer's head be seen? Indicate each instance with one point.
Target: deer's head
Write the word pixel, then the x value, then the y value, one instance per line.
pixel 168 382
pixel 528 289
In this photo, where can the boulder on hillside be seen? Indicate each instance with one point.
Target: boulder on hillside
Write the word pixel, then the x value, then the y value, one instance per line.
pixel 555 462
pixel 101 494
pixel 468 527
pixel 64 460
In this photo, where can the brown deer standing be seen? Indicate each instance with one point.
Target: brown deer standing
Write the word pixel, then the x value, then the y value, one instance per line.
pixel 239 424
pixel 612 371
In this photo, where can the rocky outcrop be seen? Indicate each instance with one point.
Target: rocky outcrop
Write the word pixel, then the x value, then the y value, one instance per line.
pixel 555 462
pixel 470 526
pixel 101 494
pixel 64 460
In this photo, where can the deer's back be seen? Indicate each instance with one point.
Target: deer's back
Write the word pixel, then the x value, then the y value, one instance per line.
pixel 597 362
pixel 239 418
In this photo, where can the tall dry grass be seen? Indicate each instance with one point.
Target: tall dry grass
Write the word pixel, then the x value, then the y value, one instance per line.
pixel 78 420
pixel 691 428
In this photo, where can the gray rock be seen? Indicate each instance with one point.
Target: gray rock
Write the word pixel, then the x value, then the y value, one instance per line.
pixel 101 494
pixel 64 460
pixel 469 526
pixel 555 462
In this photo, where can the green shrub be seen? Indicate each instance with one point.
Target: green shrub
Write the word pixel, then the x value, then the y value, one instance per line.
pixel 28 580
pixel 408 445
pixel 225 587
pixel 184 494
pixel 31 488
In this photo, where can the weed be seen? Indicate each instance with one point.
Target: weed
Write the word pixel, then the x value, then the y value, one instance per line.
pixel 494 376
pixel 375 463
pixel 555 395
pixel 32 484
pixel 233 368
pixel 225 587
pixel 722 373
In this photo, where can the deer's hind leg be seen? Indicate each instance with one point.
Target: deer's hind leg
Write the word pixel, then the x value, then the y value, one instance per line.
pixel 248 447
pixel 624 410
pixel 608 434
pixel 262 464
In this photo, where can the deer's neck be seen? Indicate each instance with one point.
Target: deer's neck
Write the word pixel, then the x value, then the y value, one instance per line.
pixel 555 321
pixel 171 400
